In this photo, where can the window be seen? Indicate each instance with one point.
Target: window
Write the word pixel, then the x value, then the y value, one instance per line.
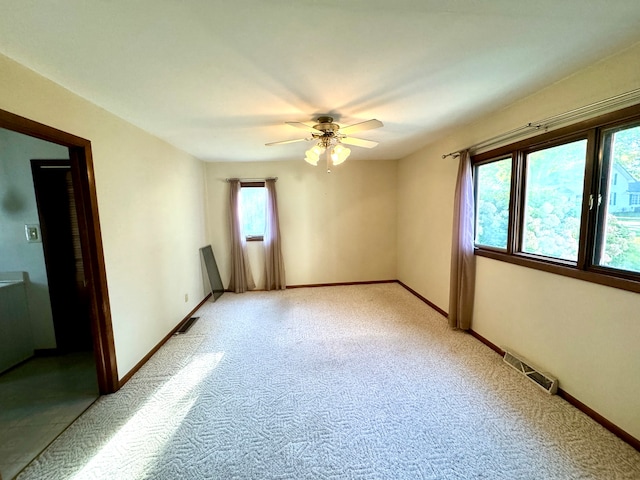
pixel 493 189
pixel 567 202
pixel 618 234
pixel 253 201
pixel 553 200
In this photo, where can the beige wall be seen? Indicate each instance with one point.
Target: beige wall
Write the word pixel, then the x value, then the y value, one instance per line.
pixel 585 334
pixel 151 206
pixel 337 227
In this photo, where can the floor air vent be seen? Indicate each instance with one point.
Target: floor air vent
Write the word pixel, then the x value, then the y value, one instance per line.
pixel 187 325
pixel 545 381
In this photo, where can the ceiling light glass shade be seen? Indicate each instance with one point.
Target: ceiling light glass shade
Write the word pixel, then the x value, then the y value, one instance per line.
pixel 311 160
pixel 339 154
pixel 313 155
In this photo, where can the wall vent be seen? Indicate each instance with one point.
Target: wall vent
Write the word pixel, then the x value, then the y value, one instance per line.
pixel 545 381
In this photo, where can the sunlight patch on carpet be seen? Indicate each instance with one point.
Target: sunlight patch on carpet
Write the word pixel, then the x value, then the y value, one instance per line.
pixel 153 425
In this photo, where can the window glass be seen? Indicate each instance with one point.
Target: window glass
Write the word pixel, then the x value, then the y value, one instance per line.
pixel 553 200
pixel 493 189
pixel 618 244
pixel 253 210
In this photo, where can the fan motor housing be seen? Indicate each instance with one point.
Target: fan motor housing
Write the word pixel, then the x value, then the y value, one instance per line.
pixel 326 125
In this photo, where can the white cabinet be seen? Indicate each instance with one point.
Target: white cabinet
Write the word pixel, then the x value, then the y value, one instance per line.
pixel 16 343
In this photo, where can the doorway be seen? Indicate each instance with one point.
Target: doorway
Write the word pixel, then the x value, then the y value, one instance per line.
pixel 84 195
pixel 58 383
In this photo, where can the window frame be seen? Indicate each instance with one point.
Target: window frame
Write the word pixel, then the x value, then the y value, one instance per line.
pixel 584 269
pixel 519 227
pixel 475 201
pixel 257 184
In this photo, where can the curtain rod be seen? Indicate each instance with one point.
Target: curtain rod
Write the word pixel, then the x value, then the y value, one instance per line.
pixel 624 99
pixel 251 179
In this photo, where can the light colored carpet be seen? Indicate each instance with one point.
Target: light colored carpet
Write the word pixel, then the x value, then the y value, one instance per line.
pixel 361 382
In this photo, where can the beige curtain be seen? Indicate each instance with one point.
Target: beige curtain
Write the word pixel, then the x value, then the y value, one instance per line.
pixel 241 277
pixel 274 264
pixel 463 268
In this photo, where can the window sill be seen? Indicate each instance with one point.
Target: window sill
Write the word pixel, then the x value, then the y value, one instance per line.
pixel 595 275
pixel 255 239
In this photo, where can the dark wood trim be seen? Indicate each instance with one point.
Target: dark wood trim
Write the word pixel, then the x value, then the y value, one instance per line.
pixel 254 238
pixel 489 344
pixel 589 187
pixel 340 284
pixel 515 202
pixel 431 304
pixel 631 440
pixel 146 358
pixel 252 184
pixel 95 270
pixel 613 428
pixel 16 123
pixel 91 239
pixel 592 275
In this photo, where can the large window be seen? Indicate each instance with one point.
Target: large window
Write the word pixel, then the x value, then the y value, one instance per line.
pixel 567 202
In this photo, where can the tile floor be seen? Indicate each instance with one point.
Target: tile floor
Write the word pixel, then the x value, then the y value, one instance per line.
pixel 38 400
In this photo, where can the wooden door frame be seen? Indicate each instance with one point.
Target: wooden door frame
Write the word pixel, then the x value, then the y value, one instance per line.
pixel 91 239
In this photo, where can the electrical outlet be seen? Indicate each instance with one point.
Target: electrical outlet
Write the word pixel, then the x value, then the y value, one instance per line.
pixel 186 297
pixel 32 232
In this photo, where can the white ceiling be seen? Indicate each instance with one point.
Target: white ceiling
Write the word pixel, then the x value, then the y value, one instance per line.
pixel 218 79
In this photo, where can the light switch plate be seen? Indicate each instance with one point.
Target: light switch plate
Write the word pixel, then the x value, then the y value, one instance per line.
pixel 32 233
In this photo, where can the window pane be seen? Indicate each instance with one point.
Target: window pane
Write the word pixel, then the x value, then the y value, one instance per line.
pixel 619 225
pixel 252 202
pixel 493 187
pixel 553 200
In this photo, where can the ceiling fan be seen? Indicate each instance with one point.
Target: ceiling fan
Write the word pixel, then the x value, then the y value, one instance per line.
pixel 330 137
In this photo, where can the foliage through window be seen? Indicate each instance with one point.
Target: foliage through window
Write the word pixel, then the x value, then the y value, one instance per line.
pixel 567 202
pixel 253 201
pixel 618 241
pixel 553 200
pixel 493 188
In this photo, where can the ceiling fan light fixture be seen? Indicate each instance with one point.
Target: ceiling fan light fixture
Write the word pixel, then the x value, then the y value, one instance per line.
pixel 339 154
pixel 311 160
pixel 329 137
pixel 313 155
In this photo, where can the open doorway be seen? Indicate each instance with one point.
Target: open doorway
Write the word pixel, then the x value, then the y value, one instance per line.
pixel 56 318
pixel 82 174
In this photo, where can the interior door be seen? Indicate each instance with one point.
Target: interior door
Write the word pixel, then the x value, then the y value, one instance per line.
pixel 63 257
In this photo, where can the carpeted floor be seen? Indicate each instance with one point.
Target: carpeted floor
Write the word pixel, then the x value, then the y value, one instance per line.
pixel 359 382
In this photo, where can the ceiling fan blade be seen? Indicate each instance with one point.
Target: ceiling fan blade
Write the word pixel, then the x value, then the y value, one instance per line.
pixel 359 127
pixel 287 141
pixel 359 142
pixel 304 126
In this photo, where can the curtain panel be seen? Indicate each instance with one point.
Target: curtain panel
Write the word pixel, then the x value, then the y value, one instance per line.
pixel 241 277
pixel 463 267
pixel 274 263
